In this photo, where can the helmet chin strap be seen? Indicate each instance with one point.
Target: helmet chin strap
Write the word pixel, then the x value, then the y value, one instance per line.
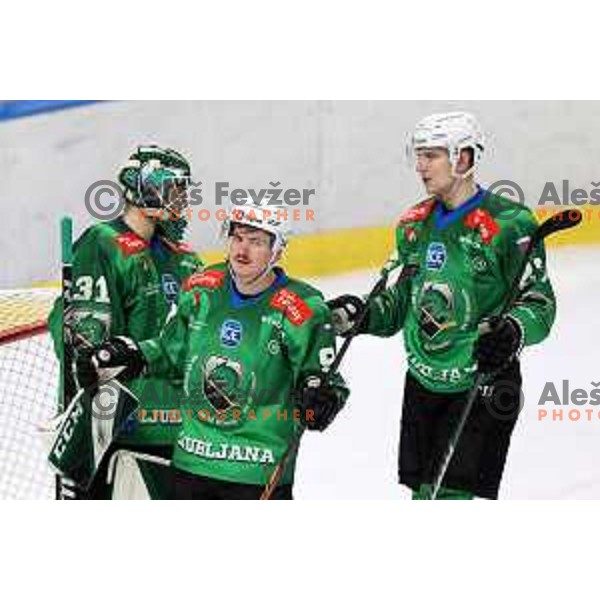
pixel 458 178
pixel 454 162
pixel 462 175
pixel 263 273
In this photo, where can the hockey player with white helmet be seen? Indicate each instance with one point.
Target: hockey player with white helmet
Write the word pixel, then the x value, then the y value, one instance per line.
pixel 468 246
pixel 447 149
pixel 253 347
pixel 265 220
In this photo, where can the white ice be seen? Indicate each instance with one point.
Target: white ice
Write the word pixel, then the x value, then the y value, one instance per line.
pixel 356 457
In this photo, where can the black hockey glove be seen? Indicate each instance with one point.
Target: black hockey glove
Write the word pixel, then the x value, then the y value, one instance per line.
pixel 499 346
pixel 319 403
pixel 345 311
pixel 118 357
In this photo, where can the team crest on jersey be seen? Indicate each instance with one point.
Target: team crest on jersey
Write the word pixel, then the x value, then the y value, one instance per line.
pixel 170 287
pixel 222 378
pixel 436 309
pixel 436 256
pixel 225 394
pixel 231 333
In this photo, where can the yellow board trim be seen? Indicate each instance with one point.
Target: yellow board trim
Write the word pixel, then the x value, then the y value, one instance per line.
pixel 340 251
pixel 343 250
pixel 331 252
pixel 587 233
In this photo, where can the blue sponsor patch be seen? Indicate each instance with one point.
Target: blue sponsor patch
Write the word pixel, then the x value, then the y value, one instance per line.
pixel 170 287
pixel 231 333
pixel 436 256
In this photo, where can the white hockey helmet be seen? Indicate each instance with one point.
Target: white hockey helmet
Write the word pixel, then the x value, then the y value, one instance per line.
pixel 271 220
pixel 454 131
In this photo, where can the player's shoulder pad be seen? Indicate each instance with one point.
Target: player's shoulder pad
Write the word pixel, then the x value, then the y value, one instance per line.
pixel 418 212
pixel 106 238
pixel 127 242
pixel 501 207
pixel 296 300
pixel 498 216
pixel 213 277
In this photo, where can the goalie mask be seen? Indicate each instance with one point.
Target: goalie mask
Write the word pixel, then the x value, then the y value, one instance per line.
pixel 156 179
pixel 454 131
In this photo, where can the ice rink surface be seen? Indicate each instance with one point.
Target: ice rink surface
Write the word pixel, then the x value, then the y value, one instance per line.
pixel 356 457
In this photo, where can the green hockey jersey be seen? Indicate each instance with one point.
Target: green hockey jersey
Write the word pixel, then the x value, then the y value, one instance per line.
pixel 125 285
pixel 241 359
pixel 467 258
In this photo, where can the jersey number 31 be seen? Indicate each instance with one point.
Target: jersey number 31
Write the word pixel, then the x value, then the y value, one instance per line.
pixel 85 286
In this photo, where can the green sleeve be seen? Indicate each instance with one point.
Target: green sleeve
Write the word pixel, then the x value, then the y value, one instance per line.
pixel 166 353
pixel 311 346
pixel 535 308
pixel 387 311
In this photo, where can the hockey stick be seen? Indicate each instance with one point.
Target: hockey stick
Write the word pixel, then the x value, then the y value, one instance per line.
pixel 564 220
pixel 68 382
pixel 407 272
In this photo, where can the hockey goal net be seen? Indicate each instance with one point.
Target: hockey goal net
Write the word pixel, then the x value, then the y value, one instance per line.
pixel 28 393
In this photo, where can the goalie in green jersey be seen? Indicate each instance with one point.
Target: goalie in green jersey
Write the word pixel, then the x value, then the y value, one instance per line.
pixel 468 245
pixel 126 276
pixel 253 347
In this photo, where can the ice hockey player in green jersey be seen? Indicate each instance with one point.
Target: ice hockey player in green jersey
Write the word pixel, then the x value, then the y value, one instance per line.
pixel 467 244
pixel 127 274
pixel 253 347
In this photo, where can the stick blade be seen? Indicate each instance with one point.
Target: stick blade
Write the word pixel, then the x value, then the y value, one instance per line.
pixel 563 220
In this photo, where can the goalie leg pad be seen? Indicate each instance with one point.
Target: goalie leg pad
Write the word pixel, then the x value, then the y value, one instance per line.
pixel 139 476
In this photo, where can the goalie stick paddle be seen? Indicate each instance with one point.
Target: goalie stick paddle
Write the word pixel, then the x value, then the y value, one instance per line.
pixel 68 382
pixel 561 221
pixel 407 272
